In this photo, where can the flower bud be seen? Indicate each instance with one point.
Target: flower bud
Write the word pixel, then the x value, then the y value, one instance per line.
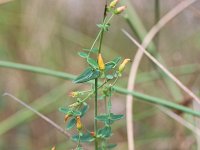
pixel 78 123
pixel 100 62
pixel 113 3
pixel 73 94
pixel 122 65
pixel 66 117
pixel 92 134
pixel 120 9
pixel 53 148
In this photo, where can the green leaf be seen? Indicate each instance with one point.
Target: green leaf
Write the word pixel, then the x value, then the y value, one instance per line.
pixel 92 62
pixel 71 124
pixel 84 109
pixel 116 117
pixel 82 54
pixel 87 75
pixel 112 64
pixel 109 76
pixel 83 138
pixel 109 121
pixel 76 113
pixel 104 132
pixel 103 117
pixel 111 146
pixel 64 110
pixel 103 26
pixel 94 50
pixel 116 61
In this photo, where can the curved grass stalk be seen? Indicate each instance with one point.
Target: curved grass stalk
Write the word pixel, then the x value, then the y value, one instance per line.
pixel 120 90
pixel 148 43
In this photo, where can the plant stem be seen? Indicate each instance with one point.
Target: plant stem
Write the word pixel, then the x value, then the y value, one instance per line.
pixel 96 112
pixel 98 35
pixel 96 85
pixel 68 76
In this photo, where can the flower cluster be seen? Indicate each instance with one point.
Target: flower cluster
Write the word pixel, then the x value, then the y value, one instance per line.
pixel 99 70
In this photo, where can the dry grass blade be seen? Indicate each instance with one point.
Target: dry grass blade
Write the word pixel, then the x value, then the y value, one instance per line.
pixel 60 129
pixel 164 20
pixel 132 76
pixel 167 72
pixel 182 121
pixel 55 125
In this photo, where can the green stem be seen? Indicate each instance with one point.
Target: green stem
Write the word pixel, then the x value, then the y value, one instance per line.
pixel 67 76
pixel 96 85
pixel 96 112
pixel 100 43
pixel 99 34
pixel 109 101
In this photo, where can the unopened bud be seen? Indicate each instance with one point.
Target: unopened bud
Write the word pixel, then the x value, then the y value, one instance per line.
pixel 100 62
pixel 113 3
pixel 78 123
pixel 53 148
pixel 66 117
pixel 92 134
pixel 119 9
pixel 73 94
pixel 122 65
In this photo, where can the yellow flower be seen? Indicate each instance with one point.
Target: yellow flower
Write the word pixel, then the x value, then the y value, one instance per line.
pixel 122 65
pixel 78 123
pixel 100 62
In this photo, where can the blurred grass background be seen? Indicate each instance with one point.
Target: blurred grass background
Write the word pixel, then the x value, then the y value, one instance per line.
pixel 49 34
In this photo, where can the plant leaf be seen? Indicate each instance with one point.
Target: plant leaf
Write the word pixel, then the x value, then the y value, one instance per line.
pixel 93 63
pixel 87 75
pixel 76 113
pixel 103 117
pixel 71 124
pixel 104 132
pixel 83 54
pixel 64 110
pixel 108 146
pixel 84 109
pixel 83 138
pixel 103 26
pixel 112 64
pixel 111 146
pixel 109 76
pixel 116 117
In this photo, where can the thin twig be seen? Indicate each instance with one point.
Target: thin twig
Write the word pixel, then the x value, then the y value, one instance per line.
pixel 60 129
pixel 132 76
pixel 164 69
pixel 179 119
pixel 55 125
